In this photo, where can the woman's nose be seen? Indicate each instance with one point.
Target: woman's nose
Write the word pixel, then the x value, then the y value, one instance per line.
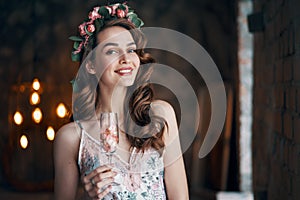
pixel 124 58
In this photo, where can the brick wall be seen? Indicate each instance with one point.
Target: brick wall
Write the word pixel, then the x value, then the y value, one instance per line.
pixel 276 124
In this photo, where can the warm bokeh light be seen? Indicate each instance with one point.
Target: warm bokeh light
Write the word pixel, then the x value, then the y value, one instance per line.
pixel 18 118
pixel 61 110
pixel 50 133
pixel 22 88
pixel 36 84
pixel 37 115
pixel 35 98
pixel 24 141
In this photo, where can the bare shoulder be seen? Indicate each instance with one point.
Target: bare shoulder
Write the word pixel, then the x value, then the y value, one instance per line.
pixel 163 109
pixel 68 134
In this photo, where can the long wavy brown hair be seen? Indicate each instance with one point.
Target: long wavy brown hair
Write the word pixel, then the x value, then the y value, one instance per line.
pixel 143 129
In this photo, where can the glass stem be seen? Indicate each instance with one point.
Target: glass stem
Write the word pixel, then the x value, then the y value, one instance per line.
pixel 109 159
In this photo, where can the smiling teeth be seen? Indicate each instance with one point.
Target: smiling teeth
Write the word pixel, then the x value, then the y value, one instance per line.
pixel 125 71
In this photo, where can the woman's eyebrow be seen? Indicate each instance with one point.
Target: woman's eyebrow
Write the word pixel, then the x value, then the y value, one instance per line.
pixel 131 43
pixel 115 44
pixel 110 44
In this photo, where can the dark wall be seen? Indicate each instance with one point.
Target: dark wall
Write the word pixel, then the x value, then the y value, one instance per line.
pixel 276 119
pixel 34 44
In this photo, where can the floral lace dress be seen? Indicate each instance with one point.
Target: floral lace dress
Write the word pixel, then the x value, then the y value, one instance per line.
pixel 141 178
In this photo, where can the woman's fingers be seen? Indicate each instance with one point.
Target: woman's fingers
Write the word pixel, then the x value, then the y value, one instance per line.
pixel 98 170
pixel 98 183
pixel 99 175
pixel 102 176
pixel 101 189
pixel 104 192
pixel 104 183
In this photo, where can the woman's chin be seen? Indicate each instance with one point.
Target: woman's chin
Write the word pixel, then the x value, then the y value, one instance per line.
pixel 126 81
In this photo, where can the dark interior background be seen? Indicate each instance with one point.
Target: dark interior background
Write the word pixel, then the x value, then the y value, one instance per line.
pixel 34 43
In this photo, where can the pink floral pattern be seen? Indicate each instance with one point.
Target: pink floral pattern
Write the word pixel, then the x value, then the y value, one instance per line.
pixel 141 178
pixel 132 182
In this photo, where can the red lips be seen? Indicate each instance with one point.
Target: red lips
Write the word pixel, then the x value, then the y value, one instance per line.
pixel 124 71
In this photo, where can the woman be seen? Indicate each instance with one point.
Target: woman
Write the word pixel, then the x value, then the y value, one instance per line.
pixel 114 77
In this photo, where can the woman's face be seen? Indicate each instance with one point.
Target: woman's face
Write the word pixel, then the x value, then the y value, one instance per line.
pixel 116 57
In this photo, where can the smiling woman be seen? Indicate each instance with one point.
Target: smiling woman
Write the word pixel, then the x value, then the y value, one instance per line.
pixel 118 56
pixel 114 78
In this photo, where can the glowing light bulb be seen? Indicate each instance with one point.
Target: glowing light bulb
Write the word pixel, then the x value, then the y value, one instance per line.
pixel 37 115
pixel 18 118
pixel 35 98
pixel 36 84
pixel 24 142
pixel 61 110
pixel 50 133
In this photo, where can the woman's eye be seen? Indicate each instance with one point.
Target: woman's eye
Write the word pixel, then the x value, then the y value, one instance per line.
pixel 109 52
pixel 132 51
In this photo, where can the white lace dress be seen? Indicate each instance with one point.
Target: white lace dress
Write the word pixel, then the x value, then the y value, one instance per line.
pixel 141 178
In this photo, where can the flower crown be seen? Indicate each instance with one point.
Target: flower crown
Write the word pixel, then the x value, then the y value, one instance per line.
pixel 96 20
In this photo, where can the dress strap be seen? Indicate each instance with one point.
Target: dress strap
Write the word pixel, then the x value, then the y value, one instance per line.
pixel 80 126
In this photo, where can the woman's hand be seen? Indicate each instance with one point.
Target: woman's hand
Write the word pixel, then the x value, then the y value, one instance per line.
pixel 98 183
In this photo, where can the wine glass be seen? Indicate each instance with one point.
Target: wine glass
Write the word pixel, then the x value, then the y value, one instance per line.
pixel 109 133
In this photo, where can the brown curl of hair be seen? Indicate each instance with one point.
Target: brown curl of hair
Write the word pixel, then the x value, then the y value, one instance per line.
pixel 143 129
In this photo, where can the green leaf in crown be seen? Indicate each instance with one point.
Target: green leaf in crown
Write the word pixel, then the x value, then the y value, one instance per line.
pixel 98 25
pixel 122 7
pixel 76 38
pixel 104 12
pixel 76 44
pixel 75 57
pixel 96 21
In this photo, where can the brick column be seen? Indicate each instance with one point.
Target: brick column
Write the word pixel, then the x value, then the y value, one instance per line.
pixel 276 144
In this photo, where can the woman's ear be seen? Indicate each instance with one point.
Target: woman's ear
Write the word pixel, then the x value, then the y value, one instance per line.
pixel 90 67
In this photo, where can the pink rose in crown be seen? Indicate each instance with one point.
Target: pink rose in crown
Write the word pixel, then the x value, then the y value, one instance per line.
pixel 121 13
pixel 109 8
pixel 94 14
pixel 86 40
pixel 81 29
pixel 90 28
pixel 79 48
pixel 126 10
pixel 114 8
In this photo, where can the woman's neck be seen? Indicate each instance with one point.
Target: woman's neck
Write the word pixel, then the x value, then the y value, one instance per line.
pixel 112 99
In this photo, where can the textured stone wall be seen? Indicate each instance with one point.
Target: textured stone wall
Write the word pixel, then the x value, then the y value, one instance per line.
pixel 276 144
pixel 34 44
